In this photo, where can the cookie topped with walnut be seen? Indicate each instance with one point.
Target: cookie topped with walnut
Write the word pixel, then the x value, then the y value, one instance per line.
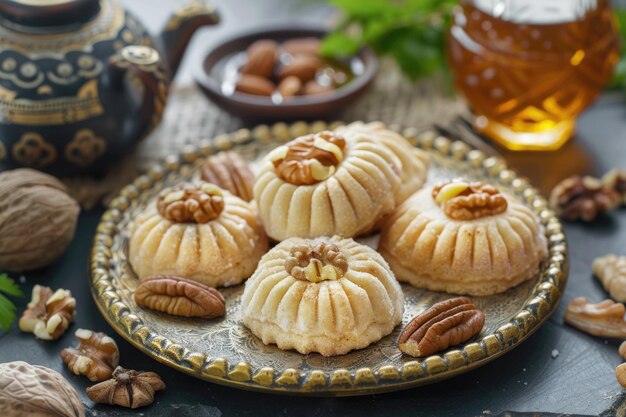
pixel 463 237
pixel 340 182
pixel 200 232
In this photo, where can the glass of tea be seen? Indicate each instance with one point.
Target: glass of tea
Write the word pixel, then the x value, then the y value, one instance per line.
pixel 529 67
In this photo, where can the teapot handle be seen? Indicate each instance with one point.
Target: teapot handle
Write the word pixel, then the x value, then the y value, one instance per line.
pixel 149 80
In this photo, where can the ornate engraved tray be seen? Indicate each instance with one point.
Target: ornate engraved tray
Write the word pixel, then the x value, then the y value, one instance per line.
pixel 225 352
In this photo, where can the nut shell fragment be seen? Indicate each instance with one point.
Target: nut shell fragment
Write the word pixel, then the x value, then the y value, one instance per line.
pixel 95 357
pixel 180 297
pixel 605 319
pixel 127 388
pixel 445 324
pixel 36 391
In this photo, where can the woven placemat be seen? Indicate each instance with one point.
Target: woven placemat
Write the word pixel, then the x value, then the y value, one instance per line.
pixel 190 117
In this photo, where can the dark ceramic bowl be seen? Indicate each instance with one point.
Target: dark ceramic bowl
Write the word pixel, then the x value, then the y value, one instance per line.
pixel 209 76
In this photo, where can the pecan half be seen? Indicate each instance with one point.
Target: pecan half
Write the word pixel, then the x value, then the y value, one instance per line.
pixel 611 271
pixel 605 319
pixel 464 200
pixel 127 388
pixel 583 198
pixel 180 297
pixel 309 159
pixel 96 355
pixel 615 179
pixel 229 171
pixel 48 315
pixel 316 262
pixel 191 203
pixel 447 323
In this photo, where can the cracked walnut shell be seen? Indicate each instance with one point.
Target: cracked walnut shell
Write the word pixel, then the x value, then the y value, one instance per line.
pixel 36 391
pixel 445 324
pixel 95 357
pixel 611 271
pixel 180 297
pixel 583 198
pixel 48 314
pixel 229 171
pixel 464 200
pixel 37 219
pixel 127 388
pixel 605 319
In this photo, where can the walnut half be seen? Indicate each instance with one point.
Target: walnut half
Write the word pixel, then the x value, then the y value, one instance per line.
pixel 605 319
pixel 314 263
pixel 186 203
pixel 48 315
pixel 96 355
pixel 447 323
pixel 309 159
pixel 180 297
pixel 127 388
pixel 464 200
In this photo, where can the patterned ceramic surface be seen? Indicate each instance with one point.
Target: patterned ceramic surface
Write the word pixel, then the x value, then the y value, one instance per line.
pixel 225 352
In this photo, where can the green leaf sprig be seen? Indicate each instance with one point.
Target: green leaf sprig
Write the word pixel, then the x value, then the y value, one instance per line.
pixel 411 31
pixel 8 287
pixel 619 75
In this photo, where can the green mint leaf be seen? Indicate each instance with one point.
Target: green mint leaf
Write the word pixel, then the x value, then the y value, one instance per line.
pixel 7 313
pixel 340 44
pixel 364 9
pixel 7 308
pixel 8 286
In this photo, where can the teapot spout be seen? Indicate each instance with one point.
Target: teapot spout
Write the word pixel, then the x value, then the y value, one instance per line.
pixel 181 26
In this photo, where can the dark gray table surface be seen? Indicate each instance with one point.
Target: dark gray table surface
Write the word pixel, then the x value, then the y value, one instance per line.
pixel 579 380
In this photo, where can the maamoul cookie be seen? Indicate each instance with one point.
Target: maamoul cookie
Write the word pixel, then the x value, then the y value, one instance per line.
pixel 200 232
pixel 463 238
pixel 326 184
pixel 326 295
pixel 414 161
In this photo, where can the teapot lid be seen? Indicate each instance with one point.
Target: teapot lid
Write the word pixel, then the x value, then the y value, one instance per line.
pixel 46 13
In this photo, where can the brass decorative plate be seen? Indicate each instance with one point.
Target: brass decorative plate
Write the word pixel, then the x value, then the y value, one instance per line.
pixel 225 352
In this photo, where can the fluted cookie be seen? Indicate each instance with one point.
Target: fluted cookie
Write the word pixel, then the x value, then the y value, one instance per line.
pixel 414 162
pixel 326 184
pixel 326 295
pixel 463 238
pixel 200 232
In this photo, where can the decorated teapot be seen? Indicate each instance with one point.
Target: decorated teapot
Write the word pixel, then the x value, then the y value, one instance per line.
pixel 82 81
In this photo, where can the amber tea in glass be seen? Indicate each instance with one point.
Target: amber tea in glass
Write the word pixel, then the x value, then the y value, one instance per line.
pixel 529 67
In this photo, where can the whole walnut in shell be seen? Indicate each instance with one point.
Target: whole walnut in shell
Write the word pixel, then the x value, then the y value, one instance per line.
pixel 37 219
pixel 36 391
